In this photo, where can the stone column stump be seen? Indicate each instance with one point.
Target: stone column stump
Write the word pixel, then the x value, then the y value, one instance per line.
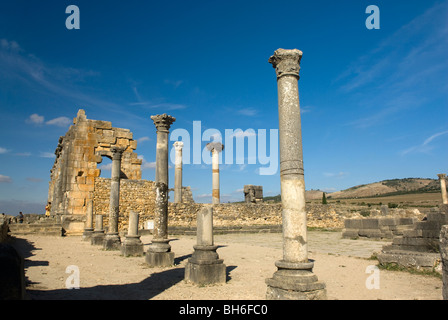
pixel 132 245
pixel 97 237
pixel 205 267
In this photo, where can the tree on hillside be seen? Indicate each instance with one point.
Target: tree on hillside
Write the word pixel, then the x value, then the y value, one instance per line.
pixel 324 198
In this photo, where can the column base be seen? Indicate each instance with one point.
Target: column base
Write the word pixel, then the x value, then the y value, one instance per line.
pixel 87 234
pixel 295 281
pixel 205 267
pixel 97 238
pixel 112 241
pixel 132 247
pixel 159 259
pixel 159 254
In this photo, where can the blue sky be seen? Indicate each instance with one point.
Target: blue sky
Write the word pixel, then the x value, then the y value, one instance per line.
pixel 374 102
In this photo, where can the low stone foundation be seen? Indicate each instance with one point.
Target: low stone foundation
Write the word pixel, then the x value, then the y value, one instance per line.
pixel 377 228
pixel 417 247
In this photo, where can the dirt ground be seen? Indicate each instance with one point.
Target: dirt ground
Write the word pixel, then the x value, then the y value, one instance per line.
pixel 342 264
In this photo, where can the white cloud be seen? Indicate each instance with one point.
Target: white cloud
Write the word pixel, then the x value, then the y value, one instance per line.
pixel 425 147
pixel 174 83
pixel 5 179
pixel 238 133
pixel 250 112
pixel 38 119
pixel 164 106
pixel 146 164
pixel 47 155
pixel 384 70
pixel 305 109
pixel 142 139
pixel 105 166
pixel 9 45
pixel 60 122
pixel 23 154
pixel 35 119
pixel 58 81
pixel 335 175
pixel 3 150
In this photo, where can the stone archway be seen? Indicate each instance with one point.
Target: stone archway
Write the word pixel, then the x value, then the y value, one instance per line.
pixel 76 165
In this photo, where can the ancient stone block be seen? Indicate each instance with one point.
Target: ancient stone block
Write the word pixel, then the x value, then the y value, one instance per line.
pixel 133 144
pixel 122 142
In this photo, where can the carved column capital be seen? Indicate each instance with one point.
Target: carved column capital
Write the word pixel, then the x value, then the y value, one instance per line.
pixel 163 122
pixel 178 145
pixel 286 62
pixel 117 152
pixel 441 176
pixel 215 146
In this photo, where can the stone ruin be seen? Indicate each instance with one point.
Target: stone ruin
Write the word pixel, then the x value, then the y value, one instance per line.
pixel 418 245
pixel 75 168
pixel 425 245
pixel 72 190
pixel 253 194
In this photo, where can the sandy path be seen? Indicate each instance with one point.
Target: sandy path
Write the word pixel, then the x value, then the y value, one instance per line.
pixel 340 263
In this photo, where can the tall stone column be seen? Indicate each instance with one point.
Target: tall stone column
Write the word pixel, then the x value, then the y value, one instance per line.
pixel 112 239
pixel 132 245
pixel 294 278
pixel 215 148
pixel 159 252
pixel 204 267
pixel 442 178
pixel 88 230
pixel 178 145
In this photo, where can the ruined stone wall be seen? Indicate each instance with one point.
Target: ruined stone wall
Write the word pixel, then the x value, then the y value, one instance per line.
pixel 245 214
pixel 135 195
pixel 75 169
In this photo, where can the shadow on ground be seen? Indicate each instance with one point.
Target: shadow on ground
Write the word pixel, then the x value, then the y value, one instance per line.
pixel 144 290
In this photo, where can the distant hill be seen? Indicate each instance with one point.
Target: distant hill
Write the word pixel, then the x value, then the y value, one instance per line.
pixel 388 187
pixel 382 188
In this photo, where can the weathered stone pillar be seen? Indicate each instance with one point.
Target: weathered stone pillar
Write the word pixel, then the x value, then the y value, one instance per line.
pixel 442 177
pixel 215 148
pixel 132 245
pixel 159 252
pixel 294 278
pixel 204 267
pixel 88 230
pixel 112 239
pixel 178 145
pixel 97 238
